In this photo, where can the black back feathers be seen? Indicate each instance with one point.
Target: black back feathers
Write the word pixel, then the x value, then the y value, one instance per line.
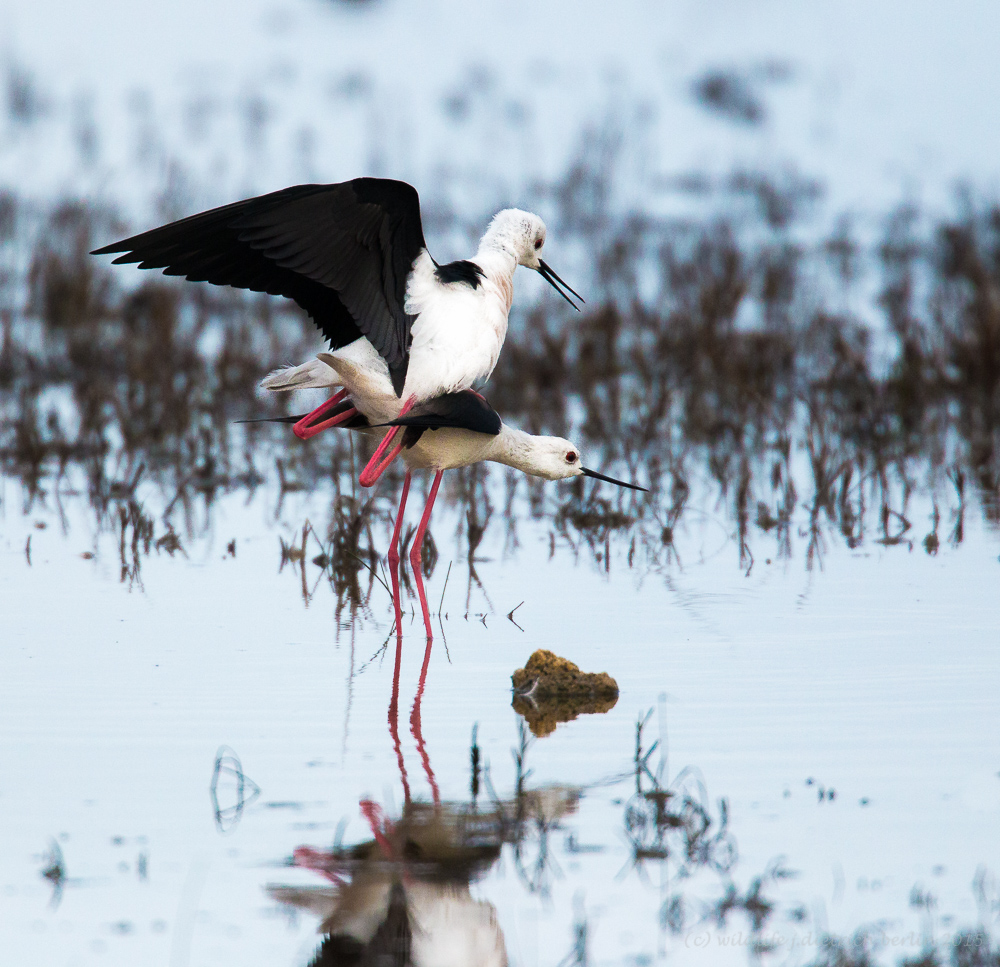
pixel 464 411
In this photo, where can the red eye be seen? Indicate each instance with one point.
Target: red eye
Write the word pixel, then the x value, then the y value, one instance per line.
pixel 538 243
pixel 571 457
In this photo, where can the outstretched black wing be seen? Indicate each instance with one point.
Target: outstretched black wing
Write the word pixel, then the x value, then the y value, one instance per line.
pixel 342 252
pixel 465 411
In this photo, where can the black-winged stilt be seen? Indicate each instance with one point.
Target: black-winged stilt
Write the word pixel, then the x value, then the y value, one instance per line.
pixel 450 431
pixel 353 256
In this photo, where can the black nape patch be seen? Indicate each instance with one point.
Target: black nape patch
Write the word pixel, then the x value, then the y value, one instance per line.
pixel 461 271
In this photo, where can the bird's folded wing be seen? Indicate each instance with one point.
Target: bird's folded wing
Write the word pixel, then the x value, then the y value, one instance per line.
pixel 466 411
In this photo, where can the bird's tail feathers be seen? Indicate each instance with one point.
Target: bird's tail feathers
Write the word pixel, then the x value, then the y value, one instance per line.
pixel 349 374
pixel 314 374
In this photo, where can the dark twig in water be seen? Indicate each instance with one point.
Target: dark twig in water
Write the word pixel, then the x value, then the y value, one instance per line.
pixel 510 616
pixel 371 570
pixel 445 588
pixel 228 766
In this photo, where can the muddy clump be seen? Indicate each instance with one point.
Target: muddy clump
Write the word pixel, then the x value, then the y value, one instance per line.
pixel 550 690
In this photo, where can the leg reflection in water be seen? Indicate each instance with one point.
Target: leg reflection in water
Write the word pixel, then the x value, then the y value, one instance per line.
pixel 403 898
pixel 415 727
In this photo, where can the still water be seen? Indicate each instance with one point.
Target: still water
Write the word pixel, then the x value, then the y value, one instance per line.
pixel 829 736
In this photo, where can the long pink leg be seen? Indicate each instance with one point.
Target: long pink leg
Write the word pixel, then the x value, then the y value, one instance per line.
pixel 311 424
pixel 374 469
pixel 415 725
pixel 415 549
pixel 393 554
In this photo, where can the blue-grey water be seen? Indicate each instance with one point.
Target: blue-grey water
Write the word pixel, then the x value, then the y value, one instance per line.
pixel 841 722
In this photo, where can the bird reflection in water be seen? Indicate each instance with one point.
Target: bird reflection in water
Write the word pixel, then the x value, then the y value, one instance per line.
pixel 403 896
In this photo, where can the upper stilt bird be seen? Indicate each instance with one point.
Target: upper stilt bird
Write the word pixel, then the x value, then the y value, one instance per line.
pixel 353 256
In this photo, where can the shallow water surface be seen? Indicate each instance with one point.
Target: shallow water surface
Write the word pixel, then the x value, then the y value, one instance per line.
pixel 796 755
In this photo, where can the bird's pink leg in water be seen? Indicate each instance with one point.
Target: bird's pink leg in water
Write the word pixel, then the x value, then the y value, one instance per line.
pixel 393 556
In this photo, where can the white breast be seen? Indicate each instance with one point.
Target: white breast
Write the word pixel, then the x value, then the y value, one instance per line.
pixel 459 331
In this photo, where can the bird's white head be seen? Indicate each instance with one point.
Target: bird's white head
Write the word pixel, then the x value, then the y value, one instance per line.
pixel 522 236
pixel 554 458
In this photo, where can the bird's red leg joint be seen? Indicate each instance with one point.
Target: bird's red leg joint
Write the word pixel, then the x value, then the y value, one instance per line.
pixel 312 423
pixel 371 474
pixel 374 469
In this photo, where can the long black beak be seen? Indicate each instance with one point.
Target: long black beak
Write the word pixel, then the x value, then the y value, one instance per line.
pixel 546 273
pixel 620 483
pixel 273 419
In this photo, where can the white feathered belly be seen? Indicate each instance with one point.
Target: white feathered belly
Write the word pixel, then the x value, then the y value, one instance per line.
pixel 447 449
pixel 451 356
